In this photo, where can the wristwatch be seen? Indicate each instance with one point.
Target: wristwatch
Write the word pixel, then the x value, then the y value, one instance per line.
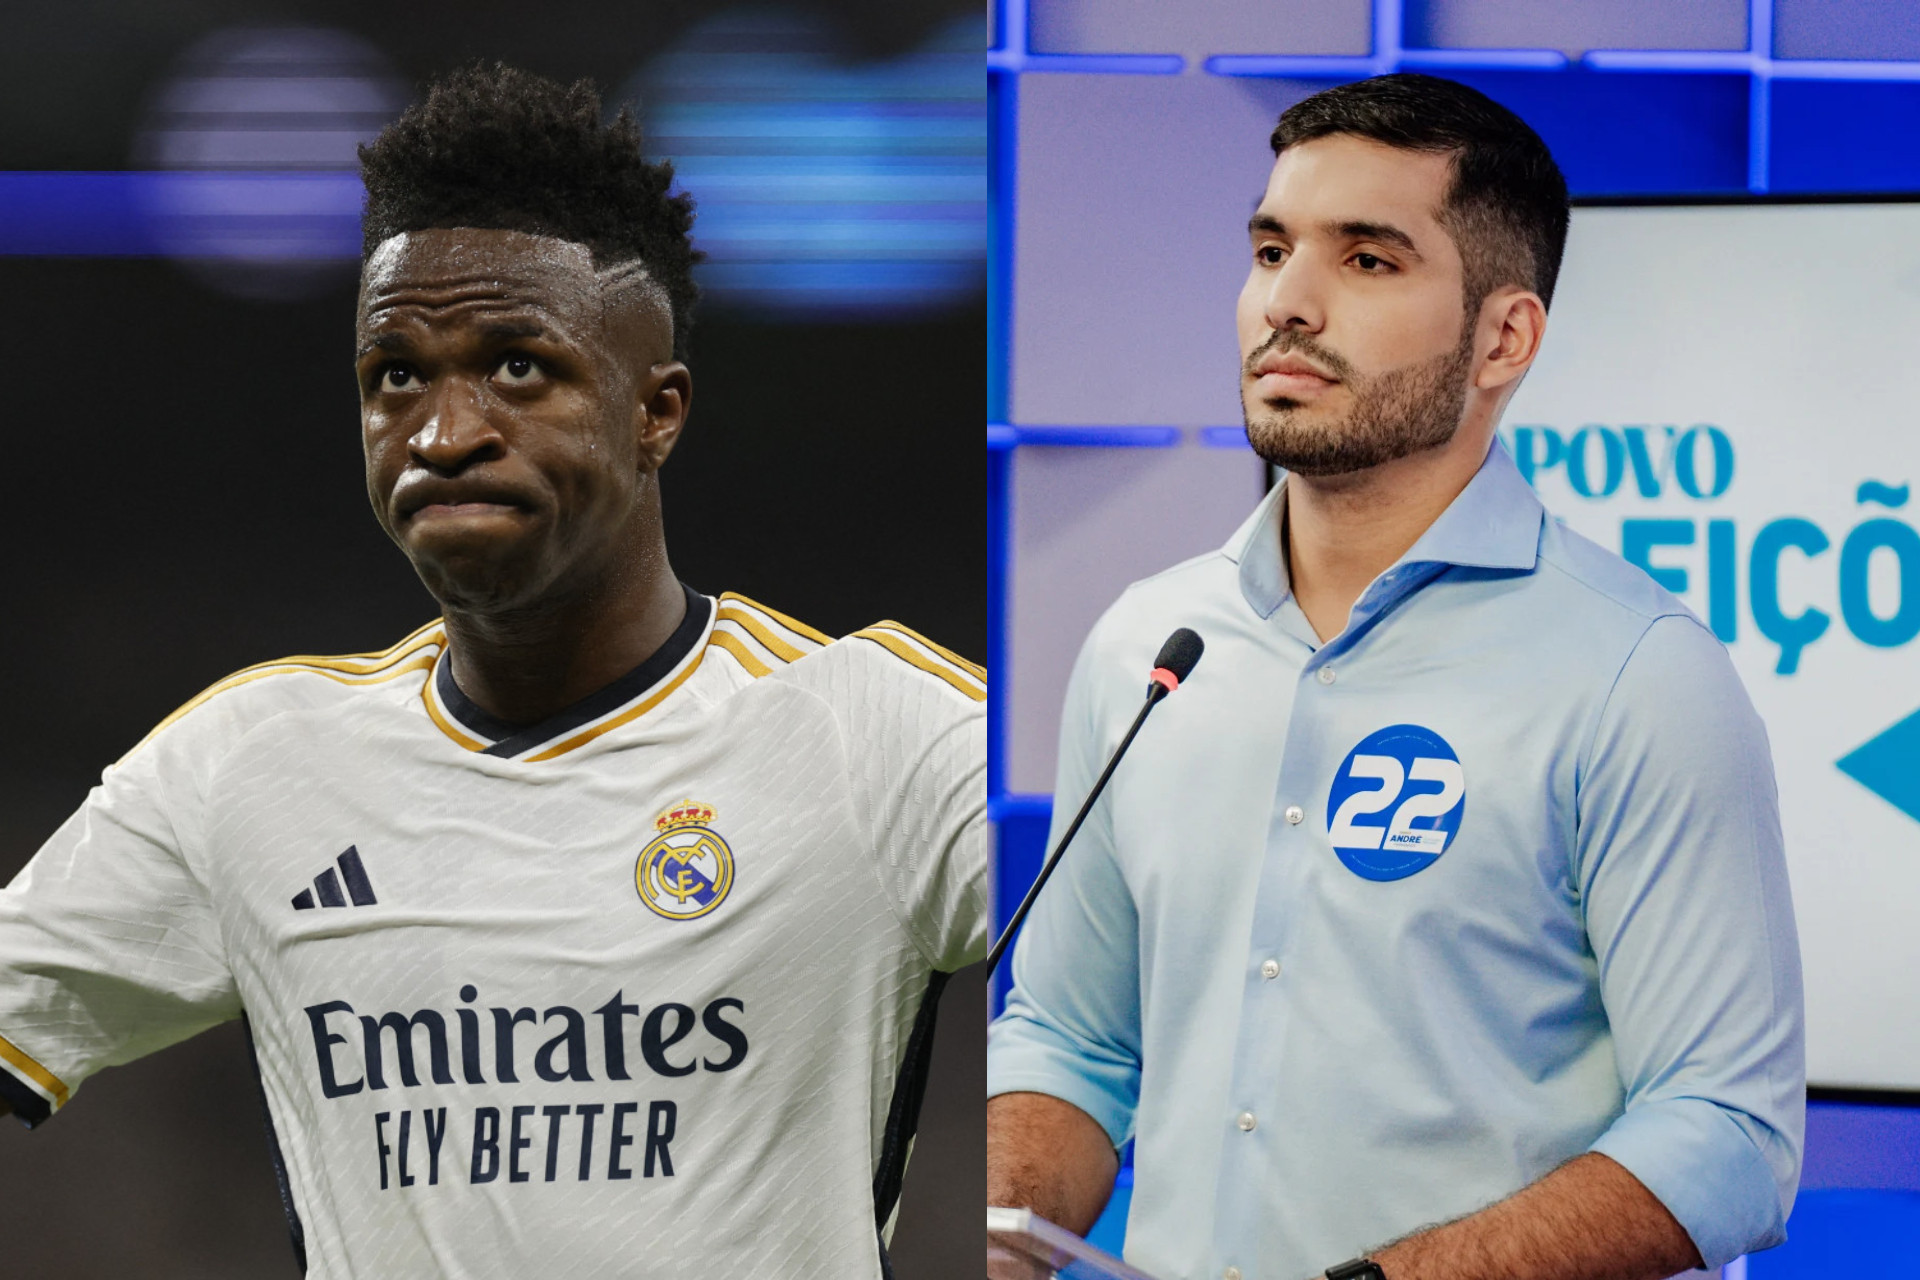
pixel 1358 1269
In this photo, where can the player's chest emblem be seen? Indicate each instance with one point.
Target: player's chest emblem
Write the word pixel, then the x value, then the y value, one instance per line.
pixel 1396 802
pixel 686 870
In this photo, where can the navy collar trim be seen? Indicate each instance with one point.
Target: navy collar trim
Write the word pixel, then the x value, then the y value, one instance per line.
pixel 509 740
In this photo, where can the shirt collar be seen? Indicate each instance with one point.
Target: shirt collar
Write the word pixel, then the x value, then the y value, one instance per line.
pixel 626 698
pixel 1494 523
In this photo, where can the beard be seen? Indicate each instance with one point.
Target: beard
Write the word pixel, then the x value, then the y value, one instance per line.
pixel 1394 414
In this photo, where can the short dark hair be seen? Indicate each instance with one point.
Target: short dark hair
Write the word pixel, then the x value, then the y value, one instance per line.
pixel 1507 206
pixel 495 147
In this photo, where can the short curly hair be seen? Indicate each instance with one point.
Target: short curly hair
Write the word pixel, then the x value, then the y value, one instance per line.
pixel 496 147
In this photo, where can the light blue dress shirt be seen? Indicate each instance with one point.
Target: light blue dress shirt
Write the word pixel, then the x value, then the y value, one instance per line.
pixel 1371 934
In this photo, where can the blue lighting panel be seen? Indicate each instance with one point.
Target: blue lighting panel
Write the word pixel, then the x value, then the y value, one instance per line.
pixel 825 185
pixel 74 215
pixel 254 217
pixel 1845 135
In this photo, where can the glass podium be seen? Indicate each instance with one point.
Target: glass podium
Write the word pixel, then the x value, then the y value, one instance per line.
pixel 1021 1245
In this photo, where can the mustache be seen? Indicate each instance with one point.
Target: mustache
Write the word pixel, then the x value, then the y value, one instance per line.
pixel 1285 341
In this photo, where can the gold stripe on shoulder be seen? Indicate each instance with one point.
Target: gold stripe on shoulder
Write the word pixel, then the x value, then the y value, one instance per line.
pixel 355 663
pixel 17 1058
pixel 740 653
pixel 763 636
pixel 899 648
pixel 973 669
pixel 798 628
pixel 354 669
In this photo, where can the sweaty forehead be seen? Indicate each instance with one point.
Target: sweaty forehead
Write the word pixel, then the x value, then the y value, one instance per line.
pixel 441 266
pixel 451 275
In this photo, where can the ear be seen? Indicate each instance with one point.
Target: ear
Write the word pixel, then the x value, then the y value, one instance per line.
pixel 1512 323
pixel 665 395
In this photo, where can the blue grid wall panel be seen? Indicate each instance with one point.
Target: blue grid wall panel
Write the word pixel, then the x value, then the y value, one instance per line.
pixel 1575 28
pixel 1846 135
pixel 1003 93
pixel 1877 29
pixel 1197 30
pixel 1086 522
pixel 1132 244
pixel 1020 846
pixel 999 556
pixel 1632 133
pixel 1850 1145
pixel 1842 1233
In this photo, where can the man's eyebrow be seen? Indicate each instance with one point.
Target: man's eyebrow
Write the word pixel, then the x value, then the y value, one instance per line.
pixel 383 342
pixel 1383 232
pixel 513 329
pixel 1352 229
pixel 495 330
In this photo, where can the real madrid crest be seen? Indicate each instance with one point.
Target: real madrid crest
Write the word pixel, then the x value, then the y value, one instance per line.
pixel 686 870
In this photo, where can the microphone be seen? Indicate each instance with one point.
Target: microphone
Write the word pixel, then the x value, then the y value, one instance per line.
pixel 1175 663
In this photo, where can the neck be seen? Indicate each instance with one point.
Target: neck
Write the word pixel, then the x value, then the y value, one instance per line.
pixel 525 664
pixel 1344 531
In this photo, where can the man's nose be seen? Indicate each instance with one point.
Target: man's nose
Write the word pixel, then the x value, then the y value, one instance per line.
pixel 457 432
pixel 1296 297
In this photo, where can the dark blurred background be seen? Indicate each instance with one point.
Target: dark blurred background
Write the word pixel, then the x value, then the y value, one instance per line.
pixel 184 491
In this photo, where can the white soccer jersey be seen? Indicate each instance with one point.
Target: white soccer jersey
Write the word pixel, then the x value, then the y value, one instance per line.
pixel 624 994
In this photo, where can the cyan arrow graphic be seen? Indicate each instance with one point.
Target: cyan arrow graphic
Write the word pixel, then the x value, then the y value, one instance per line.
pixel 1889 766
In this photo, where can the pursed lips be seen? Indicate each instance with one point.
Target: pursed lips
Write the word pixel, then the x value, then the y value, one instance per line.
pixel 436 499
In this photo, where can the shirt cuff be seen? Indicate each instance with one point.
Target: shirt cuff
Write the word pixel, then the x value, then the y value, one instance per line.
pixel 1699 1162
pixel 1026 1057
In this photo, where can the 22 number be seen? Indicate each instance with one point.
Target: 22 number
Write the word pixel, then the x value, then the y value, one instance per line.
pixel 1392 777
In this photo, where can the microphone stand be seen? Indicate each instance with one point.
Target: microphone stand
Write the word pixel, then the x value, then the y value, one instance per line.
pixel 1157 692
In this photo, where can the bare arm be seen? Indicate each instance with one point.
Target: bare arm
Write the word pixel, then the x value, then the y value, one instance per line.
pixel 1049 1156
pixel 1587 1220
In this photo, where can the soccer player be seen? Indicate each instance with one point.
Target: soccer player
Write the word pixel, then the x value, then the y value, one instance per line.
pixel 1450 889
pixel 596 928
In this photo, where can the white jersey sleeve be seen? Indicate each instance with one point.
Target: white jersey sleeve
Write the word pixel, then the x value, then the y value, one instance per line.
pixel 915 719
pixel 109 948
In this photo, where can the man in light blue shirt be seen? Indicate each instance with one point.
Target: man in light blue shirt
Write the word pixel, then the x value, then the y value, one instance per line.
pixel 1450 888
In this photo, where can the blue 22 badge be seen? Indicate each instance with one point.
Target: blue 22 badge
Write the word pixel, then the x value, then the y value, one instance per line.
pixel 1396 802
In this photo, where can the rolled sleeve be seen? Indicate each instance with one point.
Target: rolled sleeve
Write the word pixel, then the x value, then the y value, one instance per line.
pixel 1071 1028
pixel 1702 1162
pixel 1028 1052
pixel 1683 875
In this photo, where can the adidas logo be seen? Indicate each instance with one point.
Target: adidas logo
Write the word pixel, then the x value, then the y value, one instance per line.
pixel 326 885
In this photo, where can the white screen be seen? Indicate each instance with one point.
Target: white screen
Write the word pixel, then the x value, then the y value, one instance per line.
pixel 1793 332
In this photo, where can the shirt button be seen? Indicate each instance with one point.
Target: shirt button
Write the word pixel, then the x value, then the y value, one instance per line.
pixel 1295 813
pixel 1326 675
pixel 1246 1121
pixel 1269 969
pixel 1231 1273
